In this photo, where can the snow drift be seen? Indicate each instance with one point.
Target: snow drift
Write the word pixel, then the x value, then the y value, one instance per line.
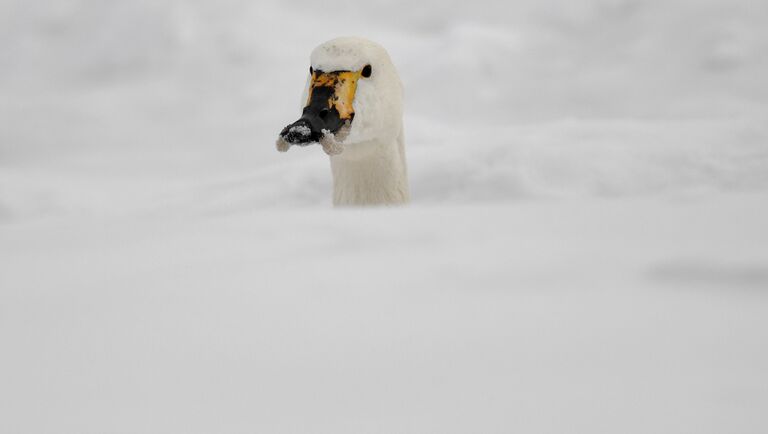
pixel 585 250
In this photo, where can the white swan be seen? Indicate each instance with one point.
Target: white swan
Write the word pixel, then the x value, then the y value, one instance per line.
pixel 353 107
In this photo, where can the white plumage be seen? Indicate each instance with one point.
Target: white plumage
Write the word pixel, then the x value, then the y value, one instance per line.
pixel 370 168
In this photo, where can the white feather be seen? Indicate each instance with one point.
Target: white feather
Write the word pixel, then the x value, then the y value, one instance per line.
pixel 372 169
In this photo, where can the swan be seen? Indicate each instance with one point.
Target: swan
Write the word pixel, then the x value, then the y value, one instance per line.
pixel 353 107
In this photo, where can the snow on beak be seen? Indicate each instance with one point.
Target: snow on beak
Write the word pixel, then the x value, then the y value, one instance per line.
pixel 328 115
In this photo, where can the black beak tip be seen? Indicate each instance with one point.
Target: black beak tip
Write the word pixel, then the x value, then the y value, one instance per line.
pixel 309 128
pixel 299 133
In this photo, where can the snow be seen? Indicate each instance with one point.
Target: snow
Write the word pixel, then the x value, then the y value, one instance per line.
pixel 301 129
pixel 586 250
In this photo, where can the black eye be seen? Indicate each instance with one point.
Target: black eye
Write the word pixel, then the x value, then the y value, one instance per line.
pixel 367 71
pixel 311 71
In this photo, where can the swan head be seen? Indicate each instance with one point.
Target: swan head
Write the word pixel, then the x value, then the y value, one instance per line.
pixel 353 96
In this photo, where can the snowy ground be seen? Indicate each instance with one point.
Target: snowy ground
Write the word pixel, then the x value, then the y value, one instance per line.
pixel 586 252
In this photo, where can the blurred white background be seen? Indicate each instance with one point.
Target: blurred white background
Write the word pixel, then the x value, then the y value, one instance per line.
pixel 586 251
pixel 582 97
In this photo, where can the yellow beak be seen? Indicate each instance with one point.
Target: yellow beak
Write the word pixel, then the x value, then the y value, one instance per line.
pixel 344 84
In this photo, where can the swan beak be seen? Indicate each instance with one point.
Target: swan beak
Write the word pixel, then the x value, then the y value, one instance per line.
pixel 330 107
pixel 344 86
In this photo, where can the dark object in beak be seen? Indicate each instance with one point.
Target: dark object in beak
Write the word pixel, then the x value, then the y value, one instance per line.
pixel 316 118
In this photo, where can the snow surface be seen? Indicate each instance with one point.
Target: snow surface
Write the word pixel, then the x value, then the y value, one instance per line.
pixel 586 252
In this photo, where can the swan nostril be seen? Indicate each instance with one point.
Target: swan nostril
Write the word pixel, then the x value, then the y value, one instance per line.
pixel 323 113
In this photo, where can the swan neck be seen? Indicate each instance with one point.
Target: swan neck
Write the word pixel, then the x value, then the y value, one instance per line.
pixel 371 174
